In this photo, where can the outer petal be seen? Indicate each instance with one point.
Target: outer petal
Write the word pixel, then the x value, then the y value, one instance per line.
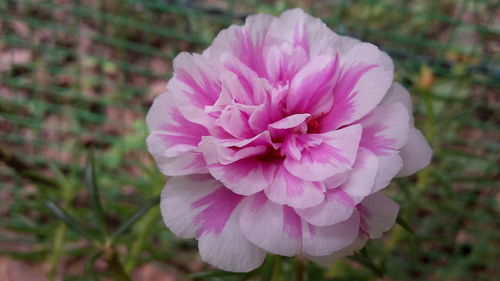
pixel 334 155
pixel 398 93
pixel 246 43
pixel 287 189
pixel 388 166
pixel 416 154
pixel 176 202
pixel 167 123
pixel 385 129
pixel 187 162
pixel 230 250
pixel 273 227
pixel 378 214
pixel 298 28
pixel 362 176
pixel 320 241
pixel 358 244
pixel 366 75
pixel 195 84
pixel 337 207
pixel 174 139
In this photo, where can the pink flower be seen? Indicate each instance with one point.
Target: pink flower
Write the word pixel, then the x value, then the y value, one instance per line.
pixel 279 138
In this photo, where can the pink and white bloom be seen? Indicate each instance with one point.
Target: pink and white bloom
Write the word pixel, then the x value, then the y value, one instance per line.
pixel 279 138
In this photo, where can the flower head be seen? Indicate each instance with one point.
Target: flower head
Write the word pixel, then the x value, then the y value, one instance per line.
pixel 279 138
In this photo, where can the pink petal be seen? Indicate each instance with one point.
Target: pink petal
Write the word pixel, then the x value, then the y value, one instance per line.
pixel 196 80
pixel 388 166
pixel 362 176
pixel 284 61
pixel 378 213
pixel 246 43
pixel 176 202
pixel 230 250
pixel 385 129
pixel 398 94
pixel 235 121
pixel 271 226
pixel 310 89
pixel 300 29
pixel 365 76
pixel 201 207
pixel 334 155
pixel 321 241
pixel 227 248
pixel 245 176
pixel 416 154
pixel 185 163
pixel 287 189
pixel 337 207
pixel 358 244
pixel 290 121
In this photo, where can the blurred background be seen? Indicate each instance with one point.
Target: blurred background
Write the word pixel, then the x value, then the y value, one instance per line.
pixel 80 75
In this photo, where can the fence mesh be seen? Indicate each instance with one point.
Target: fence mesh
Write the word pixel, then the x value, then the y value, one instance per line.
pixel 75 74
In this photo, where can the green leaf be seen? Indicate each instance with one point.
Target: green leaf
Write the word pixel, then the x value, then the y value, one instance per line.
pixel 136 216
pixel 68 220
pixel 364 252
pixel 368 264
pixel 404 224
pixel 88 271
pixel 93 190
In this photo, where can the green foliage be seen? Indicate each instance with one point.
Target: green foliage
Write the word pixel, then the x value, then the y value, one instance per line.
pixel 80 75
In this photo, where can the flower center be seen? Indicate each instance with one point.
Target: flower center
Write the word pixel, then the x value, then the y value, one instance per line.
pixel 271 155
pixel 313 125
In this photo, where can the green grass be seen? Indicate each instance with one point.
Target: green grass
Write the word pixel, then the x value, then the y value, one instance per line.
pixel 91 69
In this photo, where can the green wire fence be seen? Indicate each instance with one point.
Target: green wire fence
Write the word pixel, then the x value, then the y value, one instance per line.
pixel 81 74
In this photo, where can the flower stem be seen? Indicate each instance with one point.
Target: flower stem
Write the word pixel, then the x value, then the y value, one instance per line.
pixel 277 274
pixel 57 250
pixel 138 244
pixel 300 268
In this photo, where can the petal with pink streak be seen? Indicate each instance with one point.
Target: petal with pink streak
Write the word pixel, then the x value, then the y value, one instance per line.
pixel 287 189
pixel 416 154
pixel 385 129
pixel 288 126
pixel 284 61
pixel 378 214
pixel 323 240
pixel 166 121
pixel 337 180
pixel 176 202
pixel 362 176
pixel 185 163
pixel 221 241
pixel 196 82
pixel 246 43
pixel 270 226
pixel 246 176
pixel 300 29
pixel 366 74
pixel 198 206
pixel 311 88
pixel 337 207
pixel 235 121
pixel 334 155
pixel 244 85
pixel 358 244
pixel 230 250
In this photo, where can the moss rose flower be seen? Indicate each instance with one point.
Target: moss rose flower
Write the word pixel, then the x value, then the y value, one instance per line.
pixel 279 138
